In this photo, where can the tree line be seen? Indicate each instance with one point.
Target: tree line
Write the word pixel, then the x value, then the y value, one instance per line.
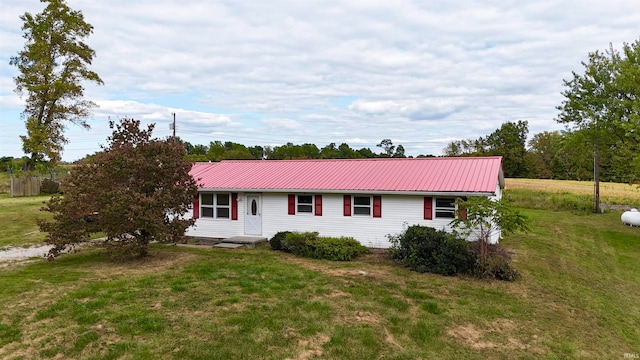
pixel 217 151
pixel 564 155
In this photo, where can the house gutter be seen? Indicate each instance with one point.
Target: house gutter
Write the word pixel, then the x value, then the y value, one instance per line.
pixel 348 191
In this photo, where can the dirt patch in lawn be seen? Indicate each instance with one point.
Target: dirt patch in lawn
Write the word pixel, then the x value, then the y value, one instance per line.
pixel 368 267
pixel 311 347
pixel 388 337
pixel 157 259
pixel 500 334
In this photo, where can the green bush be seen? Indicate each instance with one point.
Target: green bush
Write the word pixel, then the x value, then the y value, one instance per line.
pixel 336 249
pixel 425 249
pixel 296 242
pixel 49 186
pixel 309 244
pixel 499 267
pixel 276 240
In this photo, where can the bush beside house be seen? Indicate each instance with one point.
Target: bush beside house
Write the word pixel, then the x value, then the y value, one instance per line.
pixel 425 249
pixel 311 245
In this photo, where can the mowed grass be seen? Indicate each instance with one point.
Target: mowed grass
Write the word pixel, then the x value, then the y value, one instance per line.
pixel 18 220
pixel 579 297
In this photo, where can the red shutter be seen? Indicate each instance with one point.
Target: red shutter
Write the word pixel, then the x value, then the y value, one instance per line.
pixel 428 208
pixel 234 206
pixel 292 204
pixel 462 211
pixel 196 206
pixel 318 205
pixel 347 205
pixel 377 206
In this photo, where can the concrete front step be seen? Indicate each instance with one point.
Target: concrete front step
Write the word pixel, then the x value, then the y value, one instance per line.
pixel 228 245
pixel 246 240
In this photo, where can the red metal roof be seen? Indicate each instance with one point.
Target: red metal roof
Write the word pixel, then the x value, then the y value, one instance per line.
pixel 447 174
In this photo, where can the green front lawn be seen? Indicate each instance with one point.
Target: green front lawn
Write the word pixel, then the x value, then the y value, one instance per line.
pixel 579 297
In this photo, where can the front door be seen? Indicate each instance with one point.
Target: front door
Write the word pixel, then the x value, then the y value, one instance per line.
pixel 253 217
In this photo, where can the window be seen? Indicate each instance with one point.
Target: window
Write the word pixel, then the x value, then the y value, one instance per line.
pixel 254 207
pixel 362 205
pixel 446 208
pixel 215 204
pixel 305 204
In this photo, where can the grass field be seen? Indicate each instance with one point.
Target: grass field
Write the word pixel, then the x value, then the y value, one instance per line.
pixel 5 185
pixel 19 216
pixel 610 193
pixel 579 297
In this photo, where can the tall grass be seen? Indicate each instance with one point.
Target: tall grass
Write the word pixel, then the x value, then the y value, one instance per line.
pixel 532 199
pixel 575 196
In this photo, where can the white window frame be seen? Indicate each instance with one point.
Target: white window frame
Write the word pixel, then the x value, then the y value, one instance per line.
pixel 354 205
pixel 298 204
pixel 447 209
pixel 215 207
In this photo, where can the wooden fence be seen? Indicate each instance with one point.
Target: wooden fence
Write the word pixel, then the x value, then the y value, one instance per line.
pixel 25 186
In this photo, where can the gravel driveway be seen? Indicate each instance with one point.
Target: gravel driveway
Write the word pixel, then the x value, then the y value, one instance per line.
pixel 15 253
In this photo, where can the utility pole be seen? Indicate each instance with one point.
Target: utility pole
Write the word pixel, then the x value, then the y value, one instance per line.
pixel 596 179
pixel 174 126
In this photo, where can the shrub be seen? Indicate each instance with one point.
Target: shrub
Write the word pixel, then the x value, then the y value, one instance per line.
pixel 276 240
pixel 296 243
pixel 425 249
pixel 49 186
pixel 499 267
pixel 309 244
pixel 336 249
pixel 492 250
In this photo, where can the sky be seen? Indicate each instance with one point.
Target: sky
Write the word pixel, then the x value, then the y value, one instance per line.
pixel 421 73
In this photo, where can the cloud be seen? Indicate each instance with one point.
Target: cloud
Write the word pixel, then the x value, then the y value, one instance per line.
pixel 155 112
pixel 425 109
pixel 357 141
pixel 281 123
pixel 329 71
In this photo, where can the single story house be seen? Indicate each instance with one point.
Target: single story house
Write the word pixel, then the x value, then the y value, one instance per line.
pixel 366 199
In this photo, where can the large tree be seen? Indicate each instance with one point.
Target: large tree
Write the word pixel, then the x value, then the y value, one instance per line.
pixel 136 190
pixel 544 148
pixel 602 104
pixel 509 142
pixel 53 69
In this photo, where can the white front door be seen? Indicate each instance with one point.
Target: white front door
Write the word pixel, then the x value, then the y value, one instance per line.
pixel 253 216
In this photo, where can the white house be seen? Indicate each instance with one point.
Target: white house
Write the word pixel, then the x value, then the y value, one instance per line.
pixel 366 199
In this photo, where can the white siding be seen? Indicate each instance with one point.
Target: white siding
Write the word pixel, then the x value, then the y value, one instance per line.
pixel 219 228
pixel 397 211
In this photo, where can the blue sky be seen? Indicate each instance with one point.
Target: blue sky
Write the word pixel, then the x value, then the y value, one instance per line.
pixel 422 73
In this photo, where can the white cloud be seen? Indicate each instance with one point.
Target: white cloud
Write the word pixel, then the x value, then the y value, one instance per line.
pixel 262 72
pixel 284 124
pixel 357 141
